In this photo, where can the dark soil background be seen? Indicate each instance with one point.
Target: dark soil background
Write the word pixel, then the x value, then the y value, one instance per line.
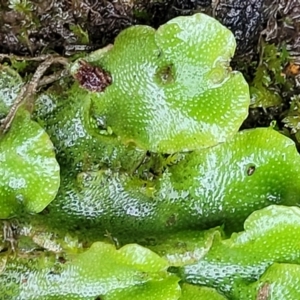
pixel 36 27
pixel 33 27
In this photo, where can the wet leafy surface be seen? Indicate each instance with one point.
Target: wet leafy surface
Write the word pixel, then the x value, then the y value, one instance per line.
pixel 29 172
pixel 222 184
pixel 76 136
pixel 102 271
pixel 270 236
pixel 190 292
pixel 183 247
pixel 262 259
pixel 280 281
pixel 172 90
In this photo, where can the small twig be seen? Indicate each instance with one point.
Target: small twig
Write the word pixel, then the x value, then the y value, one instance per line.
pixel 6 122
pixel 29 89
pixel 121 17
pixel 287 7
pixel 53 77
pixel 214 5
pixel 71 49
pixel 9 235
pixel 16 57
pixel 181 10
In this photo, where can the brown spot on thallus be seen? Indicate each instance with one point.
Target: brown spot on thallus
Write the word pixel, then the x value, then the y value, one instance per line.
pixel 62 260
pixel 166 74
pixel 92 78
pixel 251 170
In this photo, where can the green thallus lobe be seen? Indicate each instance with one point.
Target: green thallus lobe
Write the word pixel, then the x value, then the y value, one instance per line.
pixel 222 184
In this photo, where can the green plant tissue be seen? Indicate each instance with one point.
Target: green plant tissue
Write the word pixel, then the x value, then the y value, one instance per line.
pixel 29 172
pixel 172 89
pixel 221 184
pixel 270 236
pixel 102 271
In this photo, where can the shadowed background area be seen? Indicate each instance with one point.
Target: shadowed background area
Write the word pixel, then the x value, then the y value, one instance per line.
pixel 33 27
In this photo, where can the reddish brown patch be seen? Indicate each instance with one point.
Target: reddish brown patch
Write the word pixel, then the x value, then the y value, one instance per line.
pixel 93 78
